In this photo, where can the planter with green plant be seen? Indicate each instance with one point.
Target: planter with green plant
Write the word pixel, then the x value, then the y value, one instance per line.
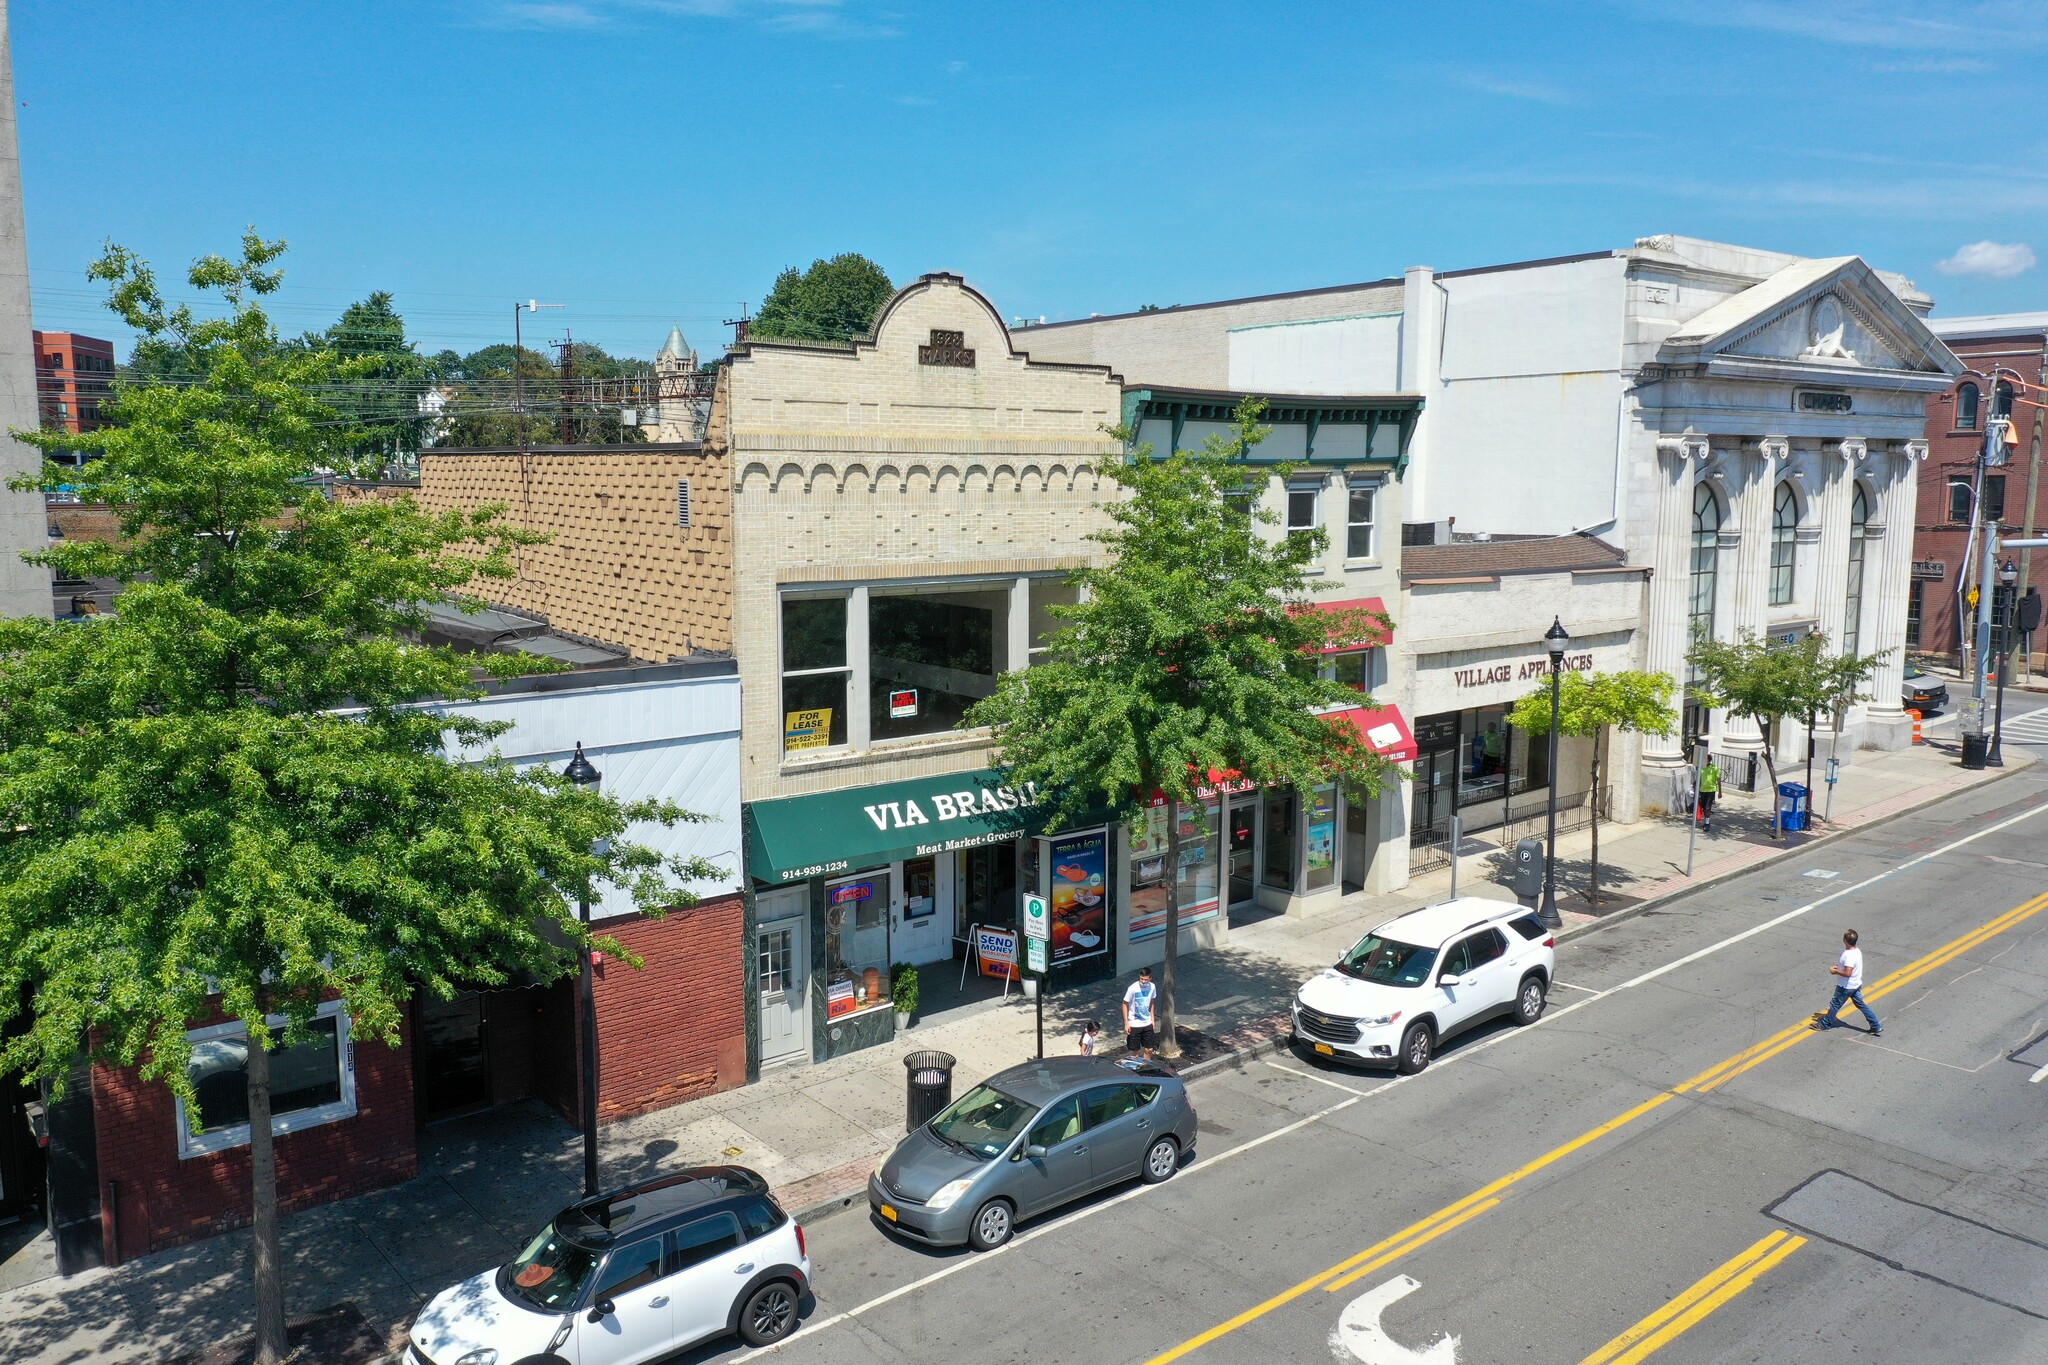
pixel 903 992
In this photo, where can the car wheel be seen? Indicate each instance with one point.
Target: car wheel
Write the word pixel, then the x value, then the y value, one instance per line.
pixel 1161 1161
pixel 992 1225
pixel 769 1314
pixel 1418 1045
pixel 1529 1000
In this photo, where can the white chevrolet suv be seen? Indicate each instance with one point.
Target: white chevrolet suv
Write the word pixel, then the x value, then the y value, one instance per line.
pixel 1424 976
pixel 630 1276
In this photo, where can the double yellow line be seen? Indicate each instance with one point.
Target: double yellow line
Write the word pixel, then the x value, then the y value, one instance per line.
pixel 1418 1234
pixel 1709 1292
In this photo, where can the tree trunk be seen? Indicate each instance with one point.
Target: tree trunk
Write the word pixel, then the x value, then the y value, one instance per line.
pixel 1169 970
pixel 1593 891
pixel 272 1345
pixel 1771 770
pixel 1809 758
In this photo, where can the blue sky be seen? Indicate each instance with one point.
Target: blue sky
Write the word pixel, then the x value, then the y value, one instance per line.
pixel 649 161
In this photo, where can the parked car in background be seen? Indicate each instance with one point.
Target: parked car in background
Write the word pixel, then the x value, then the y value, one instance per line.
pixel 1028 1140
pixel 631 1276
pixel 1921 691
pixel 1424 976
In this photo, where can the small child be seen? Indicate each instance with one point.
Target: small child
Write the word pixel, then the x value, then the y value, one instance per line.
pixel 1088 1032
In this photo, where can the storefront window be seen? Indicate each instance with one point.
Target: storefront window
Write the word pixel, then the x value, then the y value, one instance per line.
pixel 1319 866
pixel 814 673
pixel 931 656
pixel 309 1082
pixel 1047 593
pixel 1280 836
pixel 1200 867
pixel 1495 760
pixel 857 942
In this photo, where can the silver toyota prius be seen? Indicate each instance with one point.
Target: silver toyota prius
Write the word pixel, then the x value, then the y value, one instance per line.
pixel 1030 1139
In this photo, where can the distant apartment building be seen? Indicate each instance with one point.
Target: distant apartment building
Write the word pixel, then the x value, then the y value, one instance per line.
pixel 2007 356
pixel 74 379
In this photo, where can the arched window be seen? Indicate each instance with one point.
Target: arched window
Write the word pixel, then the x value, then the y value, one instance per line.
pixel 1852 608
pixel 1706 554
pixel 1966 407
pixel 2001 400
pixel 1784 533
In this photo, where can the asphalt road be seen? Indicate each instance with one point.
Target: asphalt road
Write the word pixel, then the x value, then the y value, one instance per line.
pixel 1671 1165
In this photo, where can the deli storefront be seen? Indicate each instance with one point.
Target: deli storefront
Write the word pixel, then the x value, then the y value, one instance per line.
pixel 932 871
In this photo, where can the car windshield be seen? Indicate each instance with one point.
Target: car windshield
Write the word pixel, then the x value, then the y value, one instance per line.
pixel 551 1272
pixel 983 1121
pixel 1387 962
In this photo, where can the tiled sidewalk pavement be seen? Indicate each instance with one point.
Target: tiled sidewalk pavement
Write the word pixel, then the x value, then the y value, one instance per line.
pixel 816 1132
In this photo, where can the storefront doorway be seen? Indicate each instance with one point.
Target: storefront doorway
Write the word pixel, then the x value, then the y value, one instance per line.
pixel 455 1073
pixel 985 883
pixel 1244 840
pixel 784 967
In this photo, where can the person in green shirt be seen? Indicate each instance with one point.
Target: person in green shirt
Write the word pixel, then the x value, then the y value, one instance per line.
pixel 1710 787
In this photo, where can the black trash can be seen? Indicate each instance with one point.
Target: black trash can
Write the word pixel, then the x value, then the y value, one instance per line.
pixel 930 1087
pixel 1976 750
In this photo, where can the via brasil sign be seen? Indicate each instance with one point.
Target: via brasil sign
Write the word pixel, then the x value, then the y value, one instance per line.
pixel 860 827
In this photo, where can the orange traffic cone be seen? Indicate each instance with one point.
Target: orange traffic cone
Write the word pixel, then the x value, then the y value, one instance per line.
pixel 1916 727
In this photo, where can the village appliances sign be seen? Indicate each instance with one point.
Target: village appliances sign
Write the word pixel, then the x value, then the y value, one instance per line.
pixel 1490 675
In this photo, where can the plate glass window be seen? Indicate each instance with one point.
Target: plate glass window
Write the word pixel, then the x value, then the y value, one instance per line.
pixel 1358 520
pixel 948 645
pixel 857 942
pixel 310 1082
pixel 814 673
pixel 1280 839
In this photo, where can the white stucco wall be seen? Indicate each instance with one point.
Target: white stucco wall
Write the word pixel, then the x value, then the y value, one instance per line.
pixel 1332 355
pixel 675 740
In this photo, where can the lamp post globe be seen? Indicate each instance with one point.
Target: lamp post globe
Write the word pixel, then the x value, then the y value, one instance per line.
pixel 585 775
pixel 1556 640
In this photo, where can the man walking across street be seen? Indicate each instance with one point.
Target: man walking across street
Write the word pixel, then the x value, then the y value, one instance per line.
pixel 1139 1034
pixel 1710 787
pixel 1848 974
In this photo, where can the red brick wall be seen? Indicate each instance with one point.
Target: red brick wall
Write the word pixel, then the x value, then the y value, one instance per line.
pixel 150 1199
pixel 676 1028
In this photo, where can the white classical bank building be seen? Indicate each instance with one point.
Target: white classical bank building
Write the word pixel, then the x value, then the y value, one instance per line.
pixel 1743 423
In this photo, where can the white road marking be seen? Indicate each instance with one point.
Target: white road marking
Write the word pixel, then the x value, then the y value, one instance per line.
pixel 1825 874
pixel 1319 1080
pixel 2036 1078
pixel 1569 986
pixel 1641 979
pixel 1360 1337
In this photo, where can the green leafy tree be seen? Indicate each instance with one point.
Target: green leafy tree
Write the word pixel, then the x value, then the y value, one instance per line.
pixel 1194 651
pixel 224 796
pixel 1765 682
pixel 835 300
pixel 1588 703
pixel 484 390
pixel 383 396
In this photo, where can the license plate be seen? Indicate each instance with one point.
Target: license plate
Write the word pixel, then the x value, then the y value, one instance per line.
pixel 1326 1049
pixel 889 1212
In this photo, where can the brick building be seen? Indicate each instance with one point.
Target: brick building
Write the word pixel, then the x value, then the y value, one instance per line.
pixel 74 375
pixel 2008 358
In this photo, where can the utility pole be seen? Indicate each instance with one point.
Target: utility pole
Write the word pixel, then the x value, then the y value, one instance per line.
pixel 567 346
pixel 1977 745
pixel 519 354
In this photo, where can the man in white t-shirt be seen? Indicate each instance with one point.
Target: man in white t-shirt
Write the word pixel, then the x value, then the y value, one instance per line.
pixel 1139 1033
pixel 1848 974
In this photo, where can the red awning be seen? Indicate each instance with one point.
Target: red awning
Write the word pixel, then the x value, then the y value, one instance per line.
pixel 1379 637
pixel 1385 729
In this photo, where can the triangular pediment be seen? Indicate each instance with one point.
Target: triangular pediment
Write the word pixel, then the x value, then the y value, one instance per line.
pixel 1834 313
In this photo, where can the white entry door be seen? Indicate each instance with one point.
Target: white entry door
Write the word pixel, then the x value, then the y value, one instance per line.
pixel 924 929
pixel 784 963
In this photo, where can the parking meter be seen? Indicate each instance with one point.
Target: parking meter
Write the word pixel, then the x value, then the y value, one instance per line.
pixel 1527 878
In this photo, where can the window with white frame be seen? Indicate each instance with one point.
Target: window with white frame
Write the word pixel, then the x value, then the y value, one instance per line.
pixel 1358 518
pixel 311 1083
pixel 1358 669
pixel 815 672
pixel 1303 511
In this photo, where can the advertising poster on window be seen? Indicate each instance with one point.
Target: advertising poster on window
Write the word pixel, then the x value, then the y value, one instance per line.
pixel 1080 896
pixel 1199 901
pixel 810 729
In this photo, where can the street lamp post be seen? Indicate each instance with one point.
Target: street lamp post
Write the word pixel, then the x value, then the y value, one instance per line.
pixel 581 772
pixel 1555 640
pixel 2008 578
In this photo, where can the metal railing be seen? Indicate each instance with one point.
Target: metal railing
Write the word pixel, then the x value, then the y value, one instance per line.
pixel 1430 849
pixel 1739 772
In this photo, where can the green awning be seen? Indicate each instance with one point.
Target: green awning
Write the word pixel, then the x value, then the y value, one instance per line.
pixel 816 836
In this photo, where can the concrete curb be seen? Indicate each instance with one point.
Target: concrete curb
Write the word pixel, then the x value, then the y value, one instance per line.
pixel 1657 902
pixel 845 1198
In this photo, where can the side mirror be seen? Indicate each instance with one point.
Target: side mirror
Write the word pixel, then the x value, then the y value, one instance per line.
pixel 601 1309
pixel 1034 1151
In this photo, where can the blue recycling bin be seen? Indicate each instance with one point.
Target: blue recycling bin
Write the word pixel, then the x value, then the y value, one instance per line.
pixel 1794 805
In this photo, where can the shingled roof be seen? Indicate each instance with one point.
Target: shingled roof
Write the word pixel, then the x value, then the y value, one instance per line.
pixel 1509 555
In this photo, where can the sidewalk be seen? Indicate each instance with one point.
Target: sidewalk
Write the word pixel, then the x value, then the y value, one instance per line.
pixel 816 1132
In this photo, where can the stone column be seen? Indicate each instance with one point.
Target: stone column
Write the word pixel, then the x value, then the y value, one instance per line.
pixel 1759 465
pixel 1888 550
pixel 1838 460
pixel 1679 462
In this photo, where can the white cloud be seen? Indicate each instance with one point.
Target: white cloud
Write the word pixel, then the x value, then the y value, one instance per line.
pixel 1960 25
pixel 1540 92
pixel 545 15
pixel 1990 260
